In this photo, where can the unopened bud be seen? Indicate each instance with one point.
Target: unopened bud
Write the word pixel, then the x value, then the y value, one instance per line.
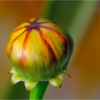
pixel 39 49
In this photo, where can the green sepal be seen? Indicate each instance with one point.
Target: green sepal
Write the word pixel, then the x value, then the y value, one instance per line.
pixel 60 77
pixel 16 78
pixel 57 81
pixel 30 85
pixel 66 74
pixel 12 70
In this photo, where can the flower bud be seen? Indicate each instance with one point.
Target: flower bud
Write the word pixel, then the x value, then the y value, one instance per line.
pixel 39 49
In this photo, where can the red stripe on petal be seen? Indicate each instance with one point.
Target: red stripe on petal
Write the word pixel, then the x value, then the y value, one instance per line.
pixel 36 19
pixel 53 57
pixel 10 49
pixel 23 49
pixel 20 28
pixel 65 41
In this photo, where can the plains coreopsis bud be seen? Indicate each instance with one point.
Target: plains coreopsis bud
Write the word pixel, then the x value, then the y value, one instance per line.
pixel 40 51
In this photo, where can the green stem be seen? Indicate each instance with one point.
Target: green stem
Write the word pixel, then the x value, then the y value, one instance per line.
pixel 39 90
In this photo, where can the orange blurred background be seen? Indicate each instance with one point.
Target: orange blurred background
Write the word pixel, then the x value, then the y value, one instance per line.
pixel 82 20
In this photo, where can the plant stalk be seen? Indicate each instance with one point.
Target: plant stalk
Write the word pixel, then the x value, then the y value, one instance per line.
pixel 38 91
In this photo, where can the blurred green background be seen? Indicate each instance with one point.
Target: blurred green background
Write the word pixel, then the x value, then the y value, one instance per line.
pixel 82 20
